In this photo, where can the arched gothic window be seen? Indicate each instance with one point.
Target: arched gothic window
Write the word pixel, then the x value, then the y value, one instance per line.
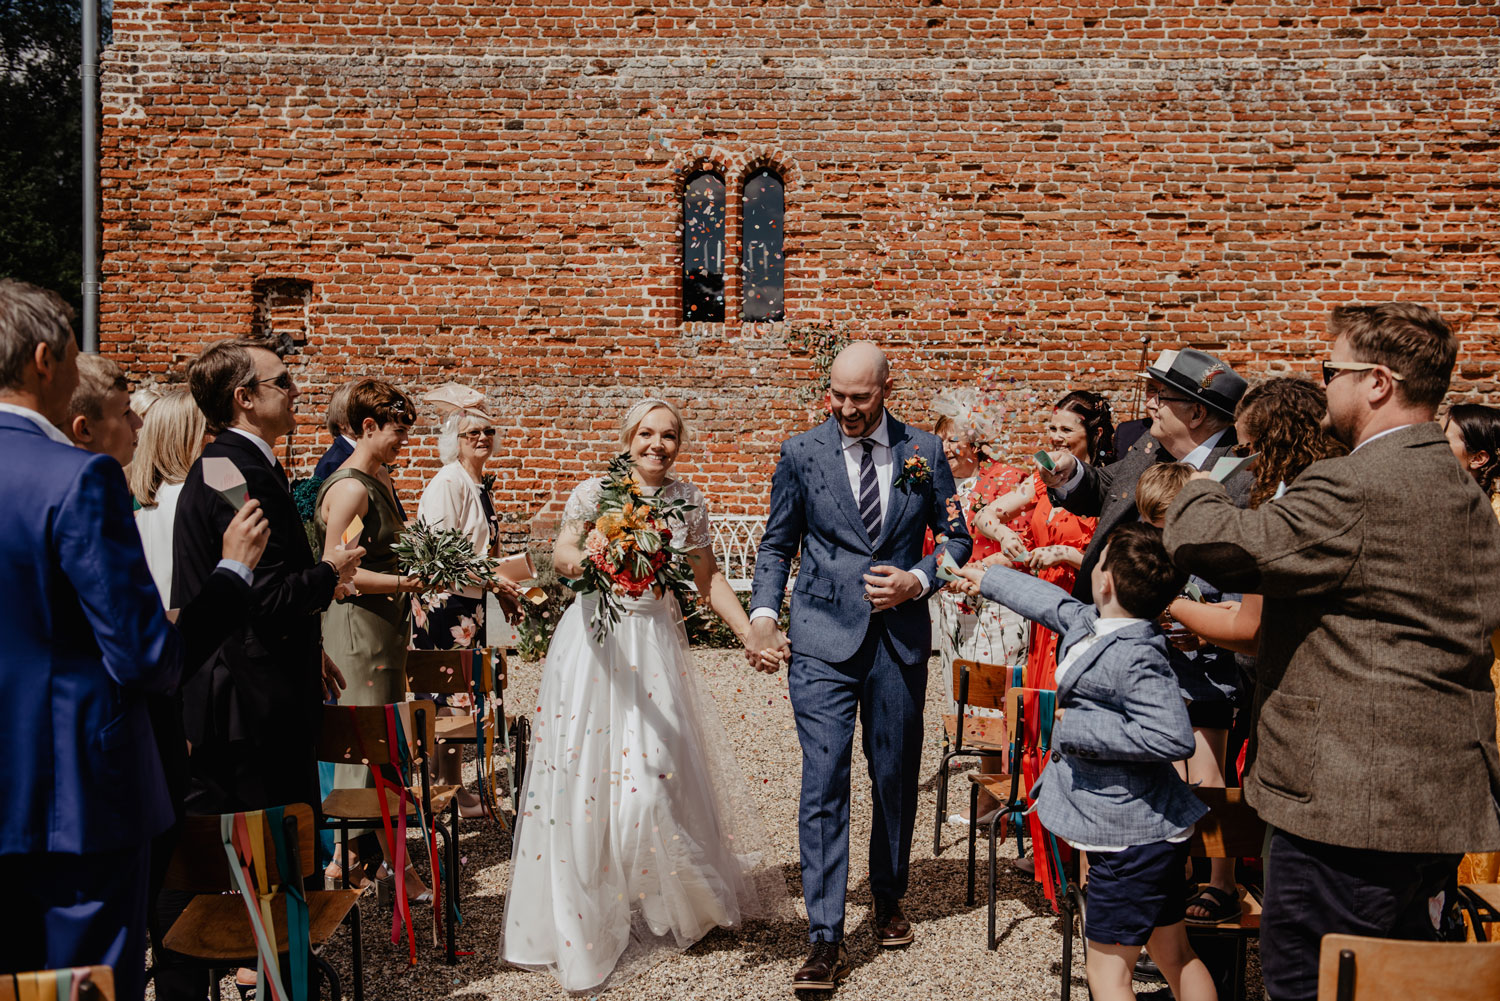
pixel 763 208
pixel 703 249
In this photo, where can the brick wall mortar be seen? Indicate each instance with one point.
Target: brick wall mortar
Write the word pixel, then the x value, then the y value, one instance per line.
pixel 491 194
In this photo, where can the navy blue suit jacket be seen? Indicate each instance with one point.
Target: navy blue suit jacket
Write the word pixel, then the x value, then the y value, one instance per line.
pixel 333 458
pixel 813 509
pixel 85 640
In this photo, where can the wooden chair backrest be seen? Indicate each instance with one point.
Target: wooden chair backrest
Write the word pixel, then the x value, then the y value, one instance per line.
pixel 1351 968
pixel 199 864
pixel 99 984
pixel 1015 702
pixel 1230 829
pixel 441 672
pixel 987 684
pixel 356 734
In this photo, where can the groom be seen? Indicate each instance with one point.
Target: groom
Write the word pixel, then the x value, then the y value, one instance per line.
pixel 855 495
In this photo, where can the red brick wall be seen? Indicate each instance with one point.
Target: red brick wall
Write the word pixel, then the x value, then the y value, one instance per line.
pixel 490 193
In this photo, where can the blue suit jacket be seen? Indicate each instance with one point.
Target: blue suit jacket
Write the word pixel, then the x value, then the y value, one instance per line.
pixel 333 458
pixel 814 510
pixel 84 640
pixel 1125 723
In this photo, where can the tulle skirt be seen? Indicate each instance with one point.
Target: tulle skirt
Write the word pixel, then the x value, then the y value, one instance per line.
pixel 636 836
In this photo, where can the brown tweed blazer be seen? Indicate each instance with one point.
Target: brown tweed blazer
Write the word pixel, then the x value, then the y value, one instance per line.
pixel 1375 712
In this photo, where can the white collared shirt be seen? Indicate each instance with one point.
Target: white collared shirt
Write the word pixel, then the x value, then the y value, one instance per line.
pixel 854 455
pixel 1102 628
pixel 260 443
pixel 43 424
pixel 1378 434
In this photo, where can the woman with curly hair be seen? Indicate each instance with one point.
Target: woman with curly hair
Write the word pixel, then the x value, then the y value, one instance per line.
pixel 1474 435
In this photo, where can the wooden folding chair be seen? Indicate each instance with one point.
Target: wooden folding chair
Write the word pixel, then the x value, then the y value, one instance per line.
pixel 359 734
pixel 215 931
pixel 87 983
pixel 1007 790
pixel 1233 830
pixel 1482 903
pixel 473 673
pixel 1352 968
pixel 975 686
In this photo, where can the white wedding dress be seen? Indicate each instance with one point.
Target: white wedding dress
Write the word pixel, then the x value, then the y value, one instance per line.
pixel 636 835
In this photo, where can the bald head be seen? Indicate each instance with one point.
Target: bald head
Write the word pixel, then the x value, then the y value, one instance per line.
pixel 858 384
pixel 863 361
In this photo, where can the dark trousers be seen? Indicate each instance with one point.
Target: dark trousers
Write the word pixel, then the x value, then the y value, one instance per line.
pixel 887 697
pixel 77 910
pixel 1314 889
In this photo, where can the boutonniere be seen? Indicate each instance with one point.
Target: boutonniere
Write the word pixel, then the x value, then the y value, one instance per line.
pixel 487 483
pixel 914 472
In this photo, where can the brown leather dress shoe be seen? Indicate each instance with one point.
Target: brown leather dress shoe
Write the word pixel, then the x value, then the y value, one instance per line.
pixel 891 927
pixel 826 965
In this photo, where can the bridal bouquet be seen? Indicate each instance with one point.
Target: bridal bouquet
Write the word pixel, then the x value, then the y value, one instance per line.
pixel 629 550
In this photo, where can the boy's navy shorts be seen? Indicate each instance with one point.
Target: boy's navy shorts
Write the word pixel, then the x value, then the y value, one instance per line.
pixel 1133 892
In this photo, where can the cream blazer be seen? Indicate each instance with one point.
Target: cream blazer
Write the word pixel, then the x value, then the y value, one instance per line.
pixel 451 500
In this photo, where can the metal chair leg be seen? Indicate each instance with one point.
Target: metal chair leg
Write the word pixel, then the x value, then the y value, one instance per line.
pixel 1067 949
pixel 453 880
pixel 329 975
pixel 993 880
pixel 973 835
pixel 942 803
pixel 357 953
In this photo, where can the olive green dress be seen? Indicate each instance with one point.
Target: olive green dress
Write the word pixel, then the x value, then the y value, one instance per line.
pixel 367 635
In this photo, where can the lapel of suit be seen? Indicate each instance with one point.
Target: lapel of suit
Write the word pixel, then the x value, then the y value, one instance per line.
pixel 900 496
pixel 836 480
pixel 1091 656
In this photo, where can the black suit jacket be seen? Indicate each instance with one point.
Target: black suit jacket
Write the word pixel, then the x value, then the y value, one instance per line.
pixel 1108 493
pixel 252 710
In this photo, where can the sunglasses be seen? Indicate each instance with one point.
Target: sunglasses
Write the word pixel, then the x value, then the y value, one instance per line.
pixel 1332 369
pixel 478 433
pixel 282 382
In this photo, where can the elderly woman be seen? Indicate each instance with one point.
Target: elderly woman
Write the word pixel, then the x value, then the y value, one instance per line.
pixel 965 630
pixel 456 497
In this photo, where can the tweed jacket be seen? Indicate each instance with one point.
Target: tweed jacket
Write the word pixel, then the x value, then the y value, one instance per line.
pixel 1110 780
pixel 1375 712
pixel 814 511
pixel 1108 493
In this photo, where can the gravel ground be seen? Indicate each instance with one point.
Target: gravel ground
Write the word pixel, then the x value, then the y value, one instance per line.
pixel 947 960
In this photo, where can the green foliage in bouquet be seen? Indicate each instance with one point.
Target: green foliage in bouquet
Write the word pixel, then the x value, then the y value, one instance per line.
pixel 629 550
pixel 305 496
pixel 444 558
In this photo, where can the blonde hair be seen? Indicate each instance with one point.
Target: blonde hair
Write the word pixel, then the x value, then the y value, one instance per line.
pixel 97 378
pixel 637 413
pixel 171 438
pixel 1158 487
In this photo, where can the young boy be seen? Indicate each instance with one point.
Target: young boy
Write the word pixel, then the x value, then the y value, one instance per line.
pixel 1110 789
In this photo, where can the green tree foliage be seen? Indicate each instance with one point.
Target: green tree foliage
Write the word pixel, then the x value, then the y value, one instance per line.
pixel 41 145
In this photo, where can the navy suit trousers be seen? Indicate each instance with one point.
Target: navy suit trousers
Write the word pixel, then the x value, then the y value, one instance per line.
pixel 887 697
pixel 77 910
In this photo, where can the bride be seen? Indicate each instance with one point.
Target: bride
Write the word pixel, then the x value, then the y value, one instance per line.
pixel 636 836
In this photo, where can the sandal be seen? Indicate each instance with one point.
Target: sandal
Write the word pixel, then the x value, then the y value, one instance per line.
pixel 1221 906
pixel 385 882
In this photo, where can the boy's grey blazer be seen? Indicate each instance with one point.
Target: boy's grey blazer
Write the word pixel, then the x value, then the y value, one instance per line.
pixel 1125 723
pixel 1374 708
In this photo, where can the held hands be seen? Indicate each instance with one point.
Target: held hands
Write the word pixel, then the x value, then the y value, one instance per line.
pixel 766 646
pixel 1065 464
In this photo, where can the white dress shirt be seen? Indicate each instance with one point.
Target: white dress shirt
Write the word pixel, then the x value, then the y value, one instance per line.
pixel 1378 434
pixel 43 424
pixel 260 443
pixel 854 455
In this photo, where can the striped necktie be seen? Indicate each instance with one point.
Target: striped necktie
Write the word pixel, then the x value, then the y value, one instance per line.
pixel 869 490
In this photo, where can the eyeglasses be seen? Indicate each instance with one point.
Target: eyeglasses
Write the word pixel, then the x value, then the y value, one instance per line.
pixel 1243 450
pixel 477 433
pixel 1160 397
pixel 1331 369
pixel 282 382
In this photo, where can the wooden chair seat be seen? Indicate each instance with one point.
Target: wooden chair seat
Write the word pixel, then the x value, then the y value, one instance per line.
pixel 364 804
pixel 997 785
pixel 455 728
pixel 216 926
pixel 979 731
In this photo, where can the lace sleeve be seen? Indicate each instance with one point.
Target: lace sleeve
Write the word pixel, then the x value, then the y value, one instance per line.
pixel 583 504
pixel 699 533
